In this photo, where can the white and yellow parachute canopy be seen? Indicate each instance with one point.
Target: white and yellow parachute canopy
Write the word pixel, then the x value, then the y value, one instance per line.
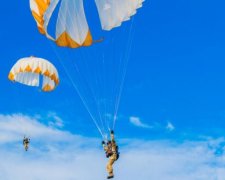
pixel 72 29
pixel 28 71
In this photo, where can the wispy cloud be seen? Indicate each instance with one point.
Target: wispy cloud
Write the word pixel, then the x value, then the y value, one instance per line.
pixel 55 120
pixel 58 154
pixel 170 126
pixel 136 121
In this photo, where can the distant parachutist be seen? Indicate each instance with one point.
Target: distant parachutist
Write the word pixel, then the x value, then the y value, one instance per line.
pixel 26 142
pixel 111 151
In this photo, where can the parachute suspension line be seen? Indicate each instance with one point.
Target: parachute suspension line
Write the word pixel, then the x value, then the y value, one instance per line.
pixel 77 90
pixel 117 80
pixel 90 87
pixel 24 129
pixel 80 94
pixel 101 95
pixel 104 93
pixel 20 116
pixel 100 78
pixel 124 71
pixel 117 67
pixel 101 83
pixel 91 90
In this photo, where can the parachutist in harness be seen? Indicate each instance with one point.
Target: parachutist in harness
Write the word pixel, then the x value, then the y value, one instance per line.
pixel 111 151
pixel 26 142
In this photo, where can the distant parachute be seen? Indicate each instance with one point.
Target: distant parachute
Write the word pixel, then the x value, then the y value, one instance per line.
pixel 28 71
pixel 72 29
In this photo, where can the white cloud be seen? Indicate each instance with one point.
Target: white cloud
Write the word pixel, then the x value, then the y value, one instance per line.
pixel 172 161
pixel 14 127
pixel 136 121
pixel 55 120
pixel 170 126
pixel 60 155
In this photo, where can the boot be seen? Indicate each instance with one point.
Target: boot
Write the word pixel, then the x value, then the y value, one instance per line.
pixel 109 177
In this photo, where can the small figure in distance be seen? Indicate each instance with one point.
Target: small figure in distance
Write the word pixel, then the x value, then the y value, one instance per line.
pixel 26 142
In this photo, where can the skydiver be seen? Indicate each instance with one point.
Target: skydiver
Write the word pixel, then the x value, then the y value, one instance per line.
pixel 26 142
pixel 111 151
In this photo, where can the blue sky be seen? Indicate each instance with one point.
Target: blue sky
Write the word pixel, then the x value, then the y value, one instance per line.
pixel 175 72
pixel 174 90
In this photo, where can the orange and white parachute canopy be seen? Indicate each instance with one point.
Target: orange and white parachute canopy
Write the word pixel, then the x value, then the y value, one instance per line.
pixel 72 29
pixel 28 70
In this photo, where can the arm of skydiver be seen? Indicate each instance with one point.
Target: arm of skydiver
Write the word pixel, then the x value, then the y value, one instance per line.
pixel 112 136
pixel 104 146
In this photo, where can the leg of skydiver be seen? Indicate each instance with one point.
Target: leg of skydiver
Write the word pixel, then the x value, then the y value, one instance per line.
pixel 109 167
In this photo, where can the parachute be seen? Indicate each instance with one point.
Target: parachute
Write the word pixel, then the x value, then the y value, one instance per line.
pixel 72 29
pixel 97 73
pixel 28 71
